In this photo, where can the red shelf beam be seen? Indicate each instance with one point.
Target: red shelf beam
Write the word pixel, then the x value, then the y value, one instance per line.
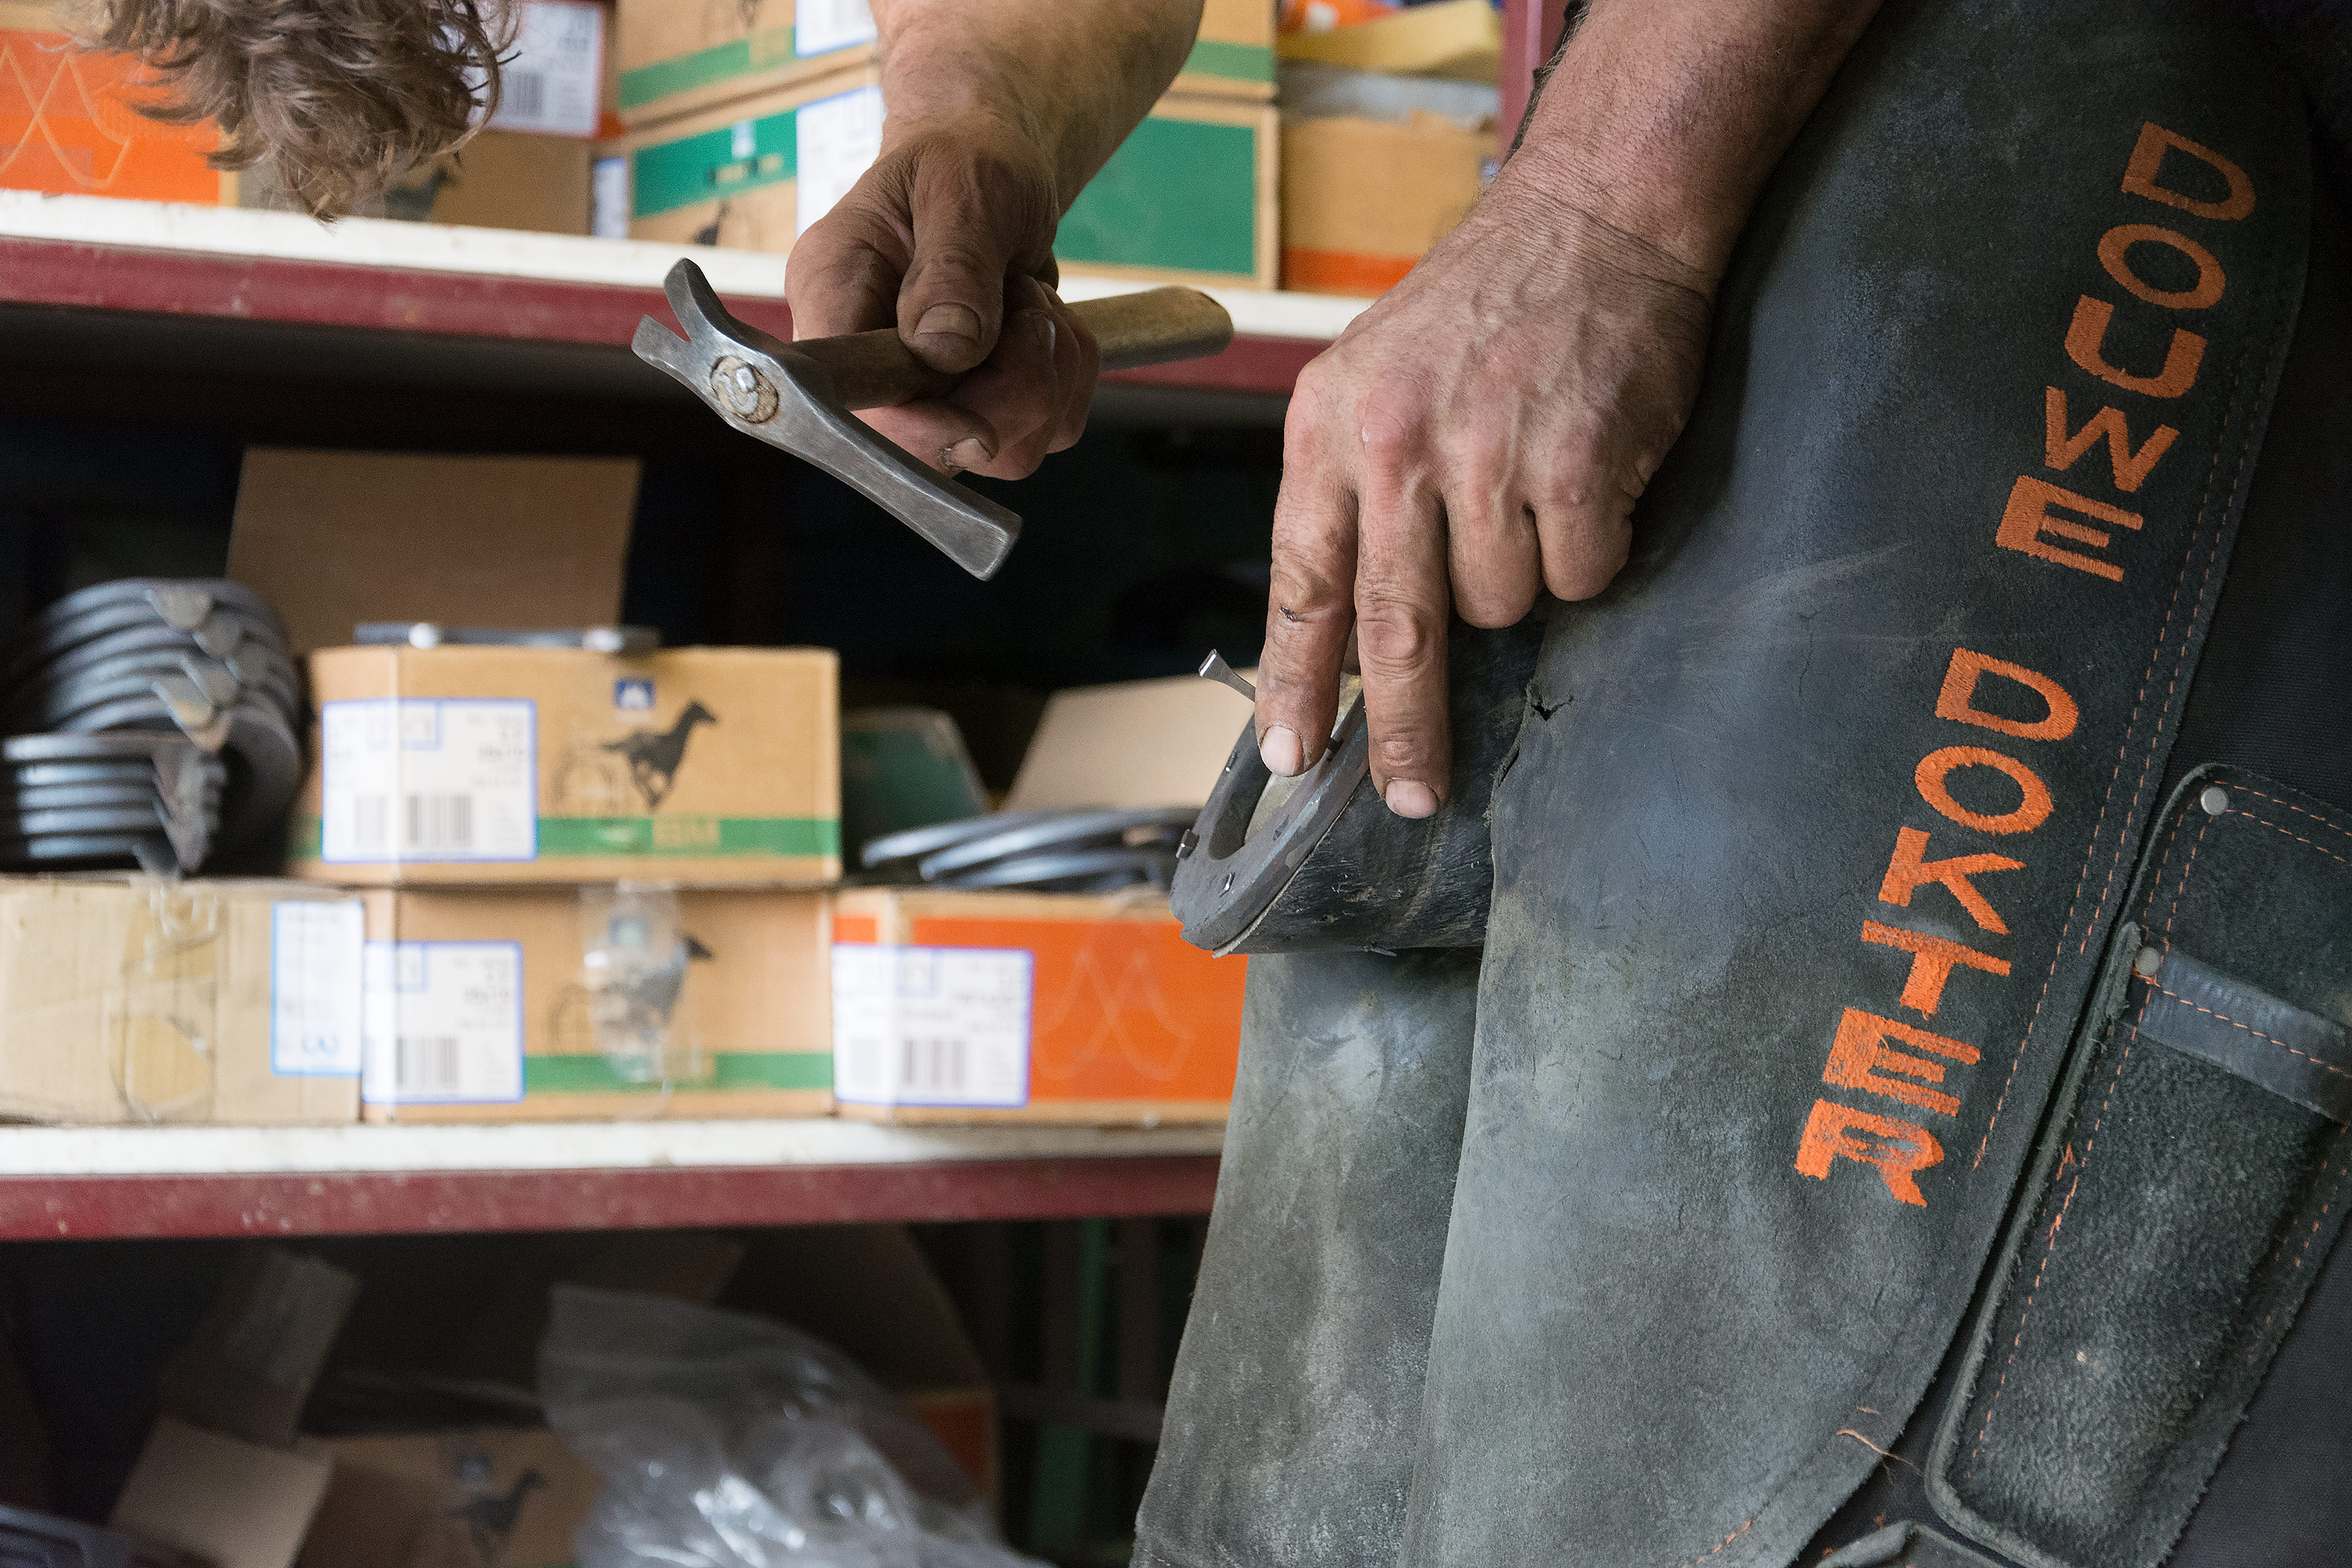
pixel 379 1202
pixel 458 304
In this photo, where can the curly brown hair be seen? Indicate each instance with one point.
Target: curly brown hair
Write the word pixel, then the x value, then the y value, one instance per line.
pixel 340 97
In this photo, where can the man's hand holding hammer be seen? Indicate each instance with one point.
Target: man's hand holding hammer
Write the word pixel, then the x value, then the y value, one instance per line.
pixel 1477 437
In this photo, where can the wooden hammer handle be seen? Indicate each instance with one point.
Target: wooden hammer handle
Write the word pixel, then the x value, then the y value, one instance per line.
pixel 875 370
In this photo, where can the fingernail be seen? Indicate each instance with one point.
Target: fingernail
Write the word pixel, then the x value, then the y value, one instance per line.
pixel 968 453
pixel 949 322
pixel 1410 797
pixel 1040 328
pixel 1280 750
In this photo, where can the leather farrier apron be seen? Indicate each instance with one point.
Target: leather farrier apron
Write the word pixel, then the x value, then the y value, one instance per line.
pixel 1906 1073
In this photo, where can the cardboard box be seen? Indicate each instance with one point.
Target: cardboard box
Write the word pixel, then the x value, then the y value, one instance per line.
pixel 331 539
pixel 1363 199
pixel 69 127
pixel 1189 197
pixel 228 1503
pixel 481 1006
pixel 1460 38
pixel 752 173
pixel 682 57
pixel 552 80
pixel 506 179
pixel 1233 55
pixel 1005 1007
pixel 483 1498
pixel 484 765
pixel 250 1365
pixel 201 1001
pixel 1131 745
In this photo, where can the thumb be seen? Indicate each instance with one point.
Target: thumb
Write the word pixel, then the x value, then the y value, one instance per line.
pixel 951 301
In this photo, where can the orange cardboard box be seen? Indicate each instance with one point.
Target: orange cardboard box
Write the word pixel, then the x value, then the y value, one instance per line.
pixel 1040 1007
pixel 67 126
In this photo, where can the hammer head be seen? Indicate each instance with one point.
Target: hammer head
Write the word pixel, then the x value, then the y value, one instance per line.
pixel 769 392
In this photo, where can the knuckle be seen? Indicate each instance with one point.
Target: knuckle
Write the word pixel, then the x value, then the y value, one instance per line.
pixel 1301 596
pixel 1396 637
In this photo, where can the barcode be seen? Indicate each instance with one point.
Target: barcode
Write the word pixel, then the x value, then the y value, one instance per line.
pixel 934 1066
pixel 424 1064
pixel 525 92
pixel 428 823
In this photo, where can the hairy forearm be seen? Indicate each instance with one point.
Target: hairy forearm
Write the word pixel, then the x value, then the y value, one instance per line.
pixel 1070 77
pixel 1663 117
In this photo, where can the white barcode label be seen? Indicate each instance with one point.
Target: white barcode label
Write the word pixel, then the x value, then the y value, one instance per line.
pixel 821 27
pixel 443 1022
pixel 834 141
pixel 553 81
pixel 315 1017
pixel 608 198
pixel 932 1025
pixel 430 779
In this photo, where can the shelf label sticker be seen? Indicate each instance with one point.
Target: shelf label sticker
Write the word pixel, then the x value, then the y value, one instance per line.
pixel 932 1025
pixel 443 1022
pixel 821 27
pixel 552 79
pixel 834 139
pixel 428 780
pixel 314 988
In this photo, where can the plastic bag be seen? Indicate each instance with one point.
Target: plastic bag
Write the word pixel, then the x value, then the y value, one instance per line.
pixel 727 1441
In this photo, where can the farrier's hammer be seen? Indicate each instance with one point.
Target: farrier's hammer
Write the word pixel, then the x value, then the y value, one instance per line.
pixel 799 396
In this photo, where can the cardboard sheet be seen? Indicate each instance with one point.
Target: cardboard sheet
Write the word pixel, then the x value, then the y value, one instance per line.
pixel 332 539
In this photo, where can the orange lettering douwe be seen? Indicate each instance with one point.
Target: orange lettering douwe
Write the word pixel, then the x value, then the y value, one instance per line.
pixel 2141 177
pixel 1900 1150
pixel 1956 700
pixel 2027 522
pixel 2086 345
pixel 2031 810
pixel 2114 255
pixel 2131 468
pixel 1910 869
pixel 1860 1059
pixel 1933 960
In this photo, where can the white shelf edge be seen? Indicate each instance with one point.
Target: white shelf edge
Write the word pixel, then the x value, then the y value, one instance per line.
pixel 506 253
pixel 558 1146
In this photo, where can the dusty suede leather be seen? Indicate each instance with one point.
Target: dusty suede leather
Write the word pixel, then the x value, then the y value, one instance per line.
pixel 1820 824
pixel 1686 1291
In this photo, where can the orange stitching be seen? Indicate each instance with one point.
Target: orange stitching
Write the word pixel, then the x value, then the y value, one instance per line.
pixel 2172 843
pixel 1720 1546
pixel 2255 1349
pixel 2174 912
pixel 2274 1039
pixel 2298 837
pixel 2050 1249
pixel 2090 850
pixel 2204 585
pixel 2299 811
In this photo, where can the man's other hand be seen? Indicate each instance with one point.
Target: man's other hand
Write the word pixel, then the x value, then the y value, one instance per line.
pixel 949 239
pixel 1475 438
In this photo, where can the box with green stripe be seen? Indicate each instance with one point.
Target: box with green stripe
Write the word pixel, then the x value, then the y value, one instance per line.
pixel 680 57
pixel 752 175
pixel 1234 55
pixel 514 1004
pixel 476 764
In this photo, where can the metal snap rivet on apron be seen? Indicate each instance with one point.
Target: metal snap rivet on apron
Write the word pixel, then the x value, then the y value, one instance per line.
pixel 2215 800
pixel 2147 964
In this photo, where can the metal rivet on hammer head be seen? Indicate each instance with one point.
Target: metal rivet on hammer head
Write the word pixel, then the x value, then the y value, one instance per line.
pixel 2148 961
pixel 742 391
pixel 2215 800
